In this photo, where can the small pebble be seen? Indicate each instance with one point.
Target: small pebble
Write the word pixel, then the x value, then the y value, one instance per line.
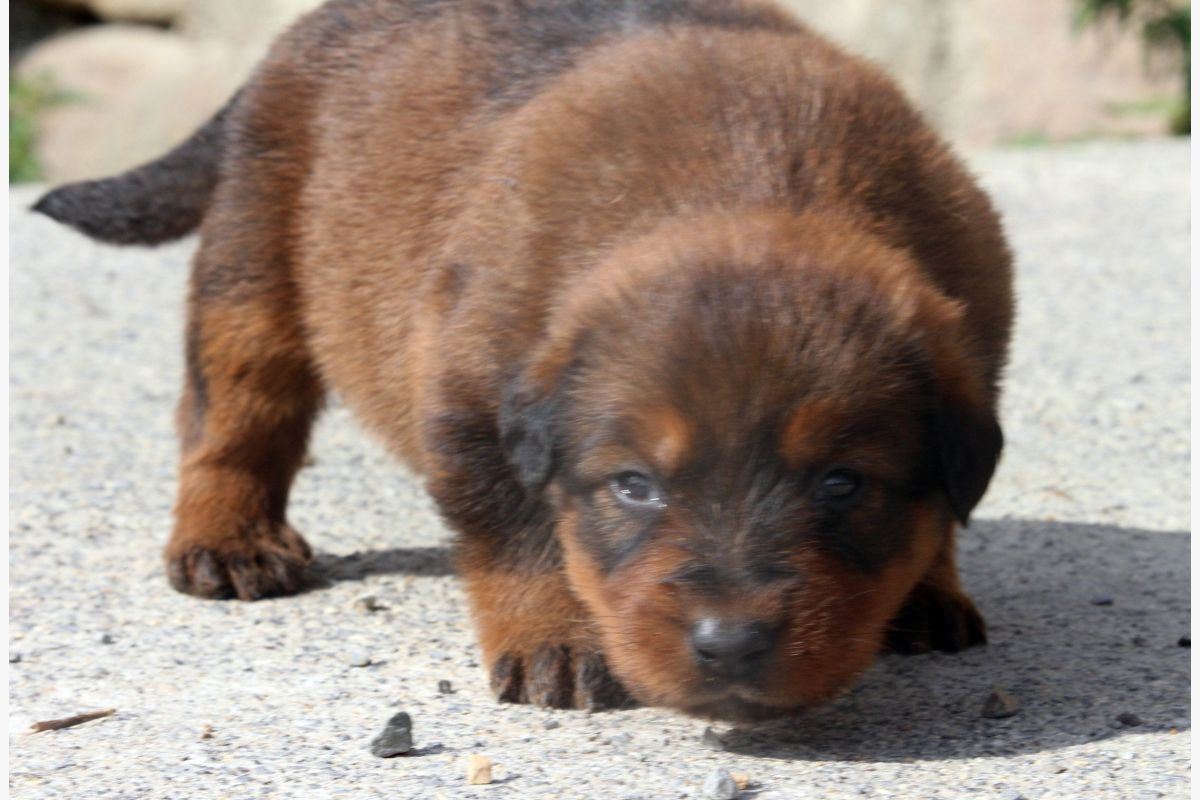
pixel 712 740
pixel 445 687
pixel 620 738
pixel 14 658
pixel 719 785
pixel 359 658
pixel 1185 641
pixel 107 639
pixel 551 724
pixel 1129 719
pixel 368 603
pixel 396 738
pixel 1102 600
pixel 1000 704
pixel 206 732
pixel 741 779
pixel 479 770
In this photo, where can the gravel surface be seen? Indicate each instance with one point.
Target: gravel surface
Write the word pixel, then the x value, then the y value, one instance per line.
pixel 263 700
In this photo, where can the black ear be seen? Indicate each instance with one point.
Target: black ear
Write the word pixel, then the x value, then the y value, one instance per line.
pixel 530 420
pixel 968 446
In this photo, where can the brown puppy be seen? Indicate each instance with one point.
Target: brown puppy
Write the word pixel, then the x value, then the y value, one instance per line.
pixel 692 324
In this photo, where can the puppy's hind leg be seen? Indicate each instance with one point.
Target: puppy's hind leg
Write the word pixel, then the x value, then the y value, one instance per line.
pixel 250 396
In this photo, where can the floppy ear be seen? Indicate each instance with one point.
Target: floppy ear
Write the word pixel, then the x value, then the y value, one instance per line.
pixel 967 437
pixel 968 446
pixel 530 420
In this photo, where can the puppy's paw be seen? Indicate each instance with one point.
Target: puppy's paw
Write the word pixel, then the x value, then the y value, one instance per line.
pixel 555 676
pixel 265 561
pixel 935 619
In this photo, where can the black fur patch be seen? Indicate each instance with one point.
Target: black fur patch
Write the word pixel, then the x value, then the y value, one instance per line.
pixel 969 443
pixel 151 204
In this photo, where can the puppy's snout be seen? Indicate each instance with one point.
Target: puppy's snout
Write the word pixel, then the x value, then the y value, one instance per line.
pixel 731 649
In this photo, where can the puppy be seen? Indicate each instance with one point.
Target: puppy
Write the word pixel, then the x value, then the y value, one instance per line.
pixel 692 325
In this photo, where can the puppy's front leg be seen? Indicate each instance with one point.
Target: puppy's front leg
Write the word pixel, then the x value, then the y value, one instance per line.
pixel 938 614
pixel 538 641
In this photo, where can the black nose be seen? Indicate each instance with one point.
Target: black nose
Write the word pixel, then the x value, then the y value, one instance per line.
pixel 731 650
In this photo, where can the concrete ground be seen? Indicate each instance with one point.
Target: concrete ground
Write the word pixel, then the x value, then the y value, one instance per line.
pixel 1079 559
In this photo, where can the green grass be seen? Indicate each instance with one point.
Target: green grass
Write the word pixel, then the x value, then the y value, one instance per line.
pixel 28 99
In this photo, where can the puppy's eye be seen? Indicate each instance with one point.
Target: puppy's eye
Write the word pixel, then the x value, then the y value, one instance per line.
pixel 839 485
pixel 637 490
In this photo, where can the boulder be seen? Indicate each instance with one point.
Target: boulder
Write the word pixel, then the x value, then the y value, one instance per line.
pixel 132 93
pixel 159 11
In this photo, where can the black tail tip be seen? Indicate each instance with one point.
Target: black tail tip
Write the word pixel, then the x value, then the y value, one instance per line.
pixel 118 211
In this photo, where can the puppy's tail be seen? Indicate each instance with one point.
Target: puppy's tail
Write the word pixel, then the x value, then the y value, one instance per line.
pixel 154 203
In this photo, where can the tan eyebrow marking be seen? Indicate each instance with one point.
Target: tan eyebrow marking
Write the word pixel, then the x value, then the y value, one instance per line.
pixel 665 436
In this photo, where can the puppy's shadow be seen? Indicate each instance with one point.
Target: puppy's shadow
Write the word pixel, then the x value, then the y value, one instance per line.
pixel 328 568
pixel 1086 632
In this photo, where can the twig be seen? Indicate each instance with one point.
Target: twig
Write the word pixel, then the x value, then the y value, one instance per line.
pixel 70 722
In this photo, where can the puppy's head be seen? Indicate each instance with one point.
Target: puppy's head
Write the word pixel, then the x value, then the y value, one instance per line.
pixel 757 433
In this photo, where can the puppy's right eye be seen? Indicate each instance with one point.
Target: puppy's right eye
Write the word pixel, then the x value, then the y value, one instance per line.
pixel 636 490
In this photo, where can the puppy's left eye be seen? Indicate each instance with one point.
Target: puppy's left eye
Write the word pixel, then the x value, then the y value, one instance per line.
pixel 637 490
pixel 839 485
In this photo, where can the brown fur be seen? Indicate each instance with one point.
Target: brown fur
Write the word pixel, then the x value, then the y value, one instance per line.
pixel 537 246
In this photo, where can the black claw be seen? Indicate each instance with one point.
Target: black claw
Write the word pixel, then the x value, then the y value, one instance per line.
pixel 550 677
pixel 933 620
pixel 595 687
pixel 508 680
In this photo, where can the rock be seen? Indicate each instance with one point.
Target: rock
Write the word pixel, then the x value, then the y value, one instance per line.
pixel 1129 719
pixel 14 658
pixel 107 639
pixel 954 60
pixel 551 724
pixel 1102 600
pixel 368 604
pixel 1000 704
pixel 249 27
pixel 359 658
pixel 712 740
pixel 159 11
pixel 479 770
pixel 129 94
pixel 396 738
pixel 742 779
pixel 719 785
pixel 1184 641
pixel 445 687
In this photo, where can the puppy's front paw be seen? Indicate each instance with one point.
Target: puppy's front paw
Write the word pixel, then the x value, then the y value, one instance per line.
pixel 935 619
pixel 556 676
pixel 264 560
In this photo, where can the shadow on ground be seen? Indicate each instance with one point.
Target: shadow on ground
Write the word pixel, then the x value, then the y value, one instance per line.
pixel 1085 623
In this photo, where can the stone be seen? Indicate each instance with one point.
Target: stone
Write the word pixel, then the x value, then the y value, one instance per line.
pixel 128 94
pixel 1128 719
pixel 719 785
pixel 445 687
pixel 479 770
pixel 396 738
pixel 1000 704
pixel 155 11
pixel 368 604
pixel 712 740
pixel 359 658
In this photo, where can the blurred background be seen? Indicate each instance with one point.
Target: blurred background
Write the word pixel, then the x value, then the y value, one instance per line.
pixel 101 85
